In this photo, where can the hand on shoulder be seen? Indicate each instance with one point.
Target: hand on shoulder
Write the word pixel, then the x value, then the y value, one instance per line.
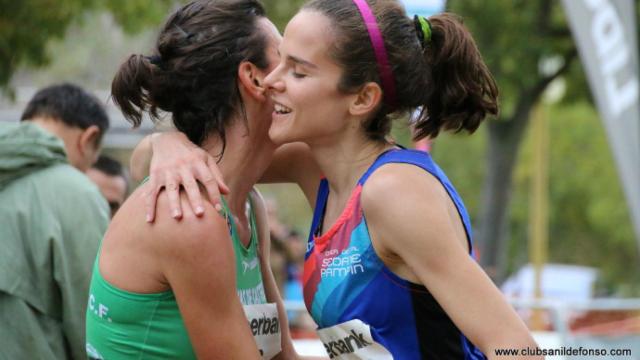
pixel 192 236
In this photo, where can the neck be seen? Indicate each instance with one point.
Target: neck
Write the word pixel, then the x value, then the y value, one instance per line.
pixel 244 161
pixel 70 137
pixel 345 160
pixel 54 127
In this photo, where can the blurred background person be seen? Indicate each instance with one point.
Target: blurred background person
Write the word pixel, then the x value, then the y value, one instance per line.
pixel 295 246
pixel 278 231
pixel 288 249
pixel 51 221
pixel 112 180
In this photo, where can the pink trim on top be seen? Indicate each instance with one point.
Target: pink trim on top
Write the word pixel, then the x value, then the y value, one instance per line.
pixel 320 241
pixel 377 41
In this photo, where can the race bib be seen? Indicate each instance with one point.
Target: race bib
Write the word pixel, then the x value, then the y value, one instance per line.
pixel 265 326
pixel 352 340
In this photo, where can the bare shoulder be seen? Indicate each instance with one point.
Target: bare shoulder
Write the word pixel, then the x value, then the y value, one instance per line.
pixel 198 261
pixel 402 187
pixel 191 236
pixel 408 214
pixel 139 256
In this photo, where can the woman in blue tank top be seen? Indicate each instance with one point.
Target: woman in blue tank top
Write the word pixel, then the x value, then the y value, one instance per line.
pixel 389 271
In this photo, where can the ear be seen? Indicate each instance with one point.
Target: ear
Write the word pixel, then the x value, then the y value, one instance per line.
pixel 88 140
pixel 366 100
pixel 252 79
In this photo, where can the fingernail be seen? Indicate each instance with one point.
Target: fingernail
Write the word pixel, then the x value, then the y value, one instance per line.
pixel 148 218
pixel 218 207
pixel 199 210
pixel 176 213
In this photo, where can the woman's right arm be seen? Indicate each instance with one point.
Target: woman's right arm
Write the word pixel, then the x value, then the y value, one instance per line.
pixel 293 163
pixel 410 222
pixel 174 161
pixel 200 269
pixel 171 160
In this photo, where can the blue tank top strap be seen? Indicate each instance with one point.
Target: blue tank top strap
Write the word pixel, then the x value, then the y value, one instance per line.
pixel 318 212
pixel 424 161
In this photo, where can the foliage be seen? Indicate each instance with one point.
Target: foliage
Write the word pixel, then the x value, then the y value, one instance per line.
pixel 26 26
pixel 513 42
pixel 519 40
pixel 280 12
pixel 589 223
pixel 86 56
pixel 589 220
pixel 527 46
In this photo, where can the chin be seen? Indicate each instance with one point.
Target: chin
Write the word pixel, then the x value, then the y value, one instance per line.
pixel 277 137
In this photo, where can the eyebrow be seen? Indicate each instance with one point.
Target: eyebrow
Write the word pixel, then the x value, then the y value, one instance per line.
pixel 297 60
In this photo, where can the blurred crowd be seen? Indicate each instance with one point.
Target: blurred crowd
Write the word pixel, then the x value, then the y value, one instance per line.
pixel 288 249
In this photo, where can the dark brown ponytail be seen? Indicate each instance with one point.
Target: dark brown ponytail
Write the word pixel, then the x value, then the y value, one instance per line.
pixel 130 88
pixel 193 73
pixel 463 90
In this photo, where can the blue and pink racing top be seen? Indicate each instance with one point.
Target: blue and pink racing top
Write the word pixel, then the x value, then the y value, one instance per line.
pixel 363 310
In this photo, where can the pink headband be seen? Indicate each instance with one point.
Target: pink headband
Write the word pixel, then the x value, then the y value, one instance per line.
pixel 386 76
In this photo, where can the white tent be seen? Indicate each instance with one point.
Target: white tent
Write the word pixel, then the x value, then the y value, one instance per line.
pixel 565 282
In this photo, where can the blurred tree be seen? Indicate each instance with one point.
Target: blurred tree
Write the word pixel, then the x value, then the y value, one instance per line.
pixel 280 12
pixel 588 217
pixel 26 26
pixel 589 221
pixel 136 15
pixel 90 52
pixel 519 38
pixel 527 45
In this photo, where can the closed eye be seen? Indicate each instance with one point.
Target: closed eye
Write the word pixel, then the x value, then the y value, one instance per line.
pixel 298 75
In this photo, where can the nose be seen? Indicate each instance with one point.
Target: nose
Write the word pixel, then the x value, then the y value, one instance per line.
pixel 273 81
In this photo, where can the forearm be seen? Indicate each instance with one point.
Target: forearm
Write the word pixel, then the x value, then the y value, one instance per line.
pixel 514 338
pixel 287 164
pixel 294 163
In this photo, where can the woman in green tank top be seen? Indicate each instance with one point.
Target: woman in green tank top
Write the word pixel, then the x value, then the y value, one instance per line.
pixel 200 287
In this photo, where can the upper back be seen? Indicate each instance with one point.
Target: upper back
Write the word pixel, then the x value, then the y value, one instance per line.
pixel 132 311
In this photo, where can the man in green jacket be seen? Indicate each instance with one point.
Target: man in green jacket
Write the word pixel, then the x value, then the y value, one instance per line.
pixel 52 218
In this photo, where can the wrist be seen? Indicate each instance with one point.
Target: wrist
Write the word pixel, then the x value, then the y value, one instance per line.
pixel 158 138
